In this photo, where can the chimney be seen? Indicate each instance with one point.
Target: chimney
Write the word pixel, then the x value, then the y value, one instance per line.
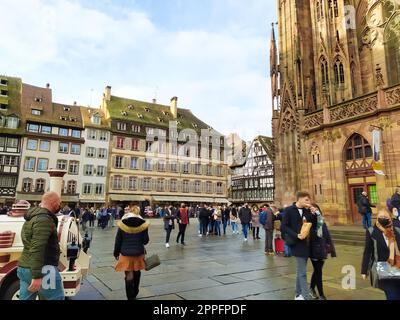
pixel 107 93
pixel 75 103
pixel 174 107
pixel 48 85
pixel 154 101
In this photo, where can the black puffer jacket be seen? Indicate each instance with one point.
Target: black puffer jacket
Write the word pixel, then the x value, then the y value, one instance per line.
pixel 321 247
pixel 131 237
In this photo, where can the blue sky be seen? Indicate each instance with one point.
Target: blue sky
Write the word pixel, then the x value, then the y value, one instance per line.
pixel 212 54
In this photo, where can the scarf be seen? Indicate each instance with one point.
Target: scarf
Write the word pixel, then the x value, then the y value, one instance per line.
pixel 394 257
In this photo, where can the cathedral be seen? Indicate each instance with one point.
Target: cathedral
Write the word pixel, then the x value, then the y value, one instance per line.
pixel 335 77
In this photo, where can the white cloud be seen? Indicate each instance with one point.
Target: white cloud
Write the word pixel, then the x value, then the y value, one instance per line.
pixel 220 75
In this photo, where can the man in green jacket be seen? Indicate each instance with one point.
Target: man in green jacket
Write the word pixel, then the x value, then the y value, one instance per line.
pixel 38 265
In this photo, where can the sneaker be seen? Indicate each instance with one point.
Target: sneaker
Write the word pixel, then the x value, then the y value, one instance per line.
pixel 200 235
pixel 167 245
pixel 313 294
pixel 299 297
pixel 183 243
pixel 322 298
pixel 245 239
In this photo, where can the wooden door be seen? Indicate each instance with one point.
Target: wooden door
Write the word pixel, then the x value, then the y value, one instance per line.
pixel 355 194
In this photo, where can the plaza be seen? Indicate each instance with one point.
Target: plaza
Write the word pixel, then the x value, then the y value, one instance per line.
pixel 215 268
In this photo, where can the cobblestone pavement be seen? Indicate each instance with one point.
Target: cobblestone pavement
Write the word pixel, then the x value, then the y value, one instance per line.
pixel 215 268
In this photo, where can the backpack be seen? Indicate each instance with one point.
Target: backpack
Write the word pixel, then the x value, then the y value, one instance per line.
pixel 263 218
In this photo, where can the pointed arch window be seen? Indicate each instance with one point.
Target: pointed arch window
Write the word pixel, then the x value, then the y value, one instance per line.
pixel 338 69
pixel 324 72
pixel 358 148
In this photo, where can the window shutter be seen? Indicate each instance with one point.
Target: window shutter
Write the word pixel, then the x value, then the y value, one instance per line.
pixel 166 185
pixel 128 144
pixel 114 159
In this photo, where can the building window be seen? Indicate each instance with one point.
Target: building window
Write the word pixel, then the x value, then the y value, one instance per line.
pixel 173 167
pixel 101 171
pixel 44 145
pixel 90 152
pixel 88 170
pixel 12 122
pixel 103 136
pixel 150 131
pixel 185 186
pixel 161 147
pixel 102 153
pixel 161 166
pixel 160 185
pixel 75 148
pixel 339 72
pixel 33 127
pixel 219 171
pixel 147 184
pixel 358 148
pixel 119 162
pixel 96 119
pixel 147 165
pixel 209 187
pixel 99 190
pixel 174 149
pixel 63 132
pixel 32 144
pixel 42 165
pixel 324 72
pixel 185 168
pixel 197 168
pixel 134 163
pixel 62 164
pixel 117 182
pixel 136 128
pixel 149 146
pixel 132 183
pixel 45 129
pixel 120 143
pixel 12 143
pixel 121 126
pixel 36 112
pixel 173 186
pixel 91 134
pixel 197 186
pixel 209 170
pixel 71 187
pixel 63 147
pixel 73 167
pixel 39 185
pixel 76 134
pixel 135 145
pixel 29 164
pixel 26 185
pixel 87 188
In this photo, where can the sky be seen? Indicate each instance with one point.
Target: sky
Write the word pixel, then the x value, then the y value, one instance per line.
pixel 212 54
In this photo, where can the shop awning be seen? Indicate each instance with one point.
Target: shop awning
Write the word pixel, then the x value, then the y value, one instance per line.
pixel 127 197
pixel 182 199
pixel 221 200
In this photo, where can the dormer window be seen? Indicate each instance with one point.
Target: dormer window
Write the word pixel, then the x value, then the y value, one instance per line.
pixel 140 116
pixel 96 119
pixel 4 93
pixel 3 106
pixel 3 82
pixel 121 126
pixel 178 122
pixel 166 113
pixel 146 109
pixel 131 107
pixel 194 125
pixel 37 99
pixel 136 128
pixel 36 112
pixel 160 119
pixel 124 113
pixel 12 122
pixel 72 119
pixel 67 109
pixel 180 116
pixel 63 118
pixel 150 131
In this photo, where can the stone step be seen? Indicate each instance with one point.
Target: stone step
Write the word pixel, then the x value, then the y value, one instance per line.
pixel 348 237
pixel 354 243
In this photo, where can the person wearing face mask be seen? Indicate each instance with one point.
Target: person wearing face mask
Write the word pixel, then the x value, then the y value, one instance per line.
pixel 396 217
pixel 382 244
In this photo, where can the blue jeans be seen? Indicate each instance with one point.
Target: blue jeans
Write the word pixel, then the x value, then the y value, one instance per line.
pixel 225 223
pixel 367 220
pixel 391 289
pixel 234 227
pixel 301 278
pixel 245 229
pixel 288 252
pixel 218 227
pixel 52 285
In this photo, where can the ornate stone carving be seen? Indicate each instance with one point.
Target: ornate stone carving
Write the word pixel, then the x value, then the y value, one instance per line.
pixel 289 121
pixel 393 96
pixel 314 120
pixel 354 108
pixel 332 136
pixel 379 77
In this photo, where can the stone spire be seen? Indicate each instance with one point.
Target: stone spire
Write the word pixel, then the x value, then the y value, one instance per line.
pixel 273 67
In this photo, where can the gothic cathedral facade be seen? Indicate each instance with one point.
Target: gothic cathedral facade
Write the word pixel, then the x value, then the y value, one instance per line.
pixel 335 76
